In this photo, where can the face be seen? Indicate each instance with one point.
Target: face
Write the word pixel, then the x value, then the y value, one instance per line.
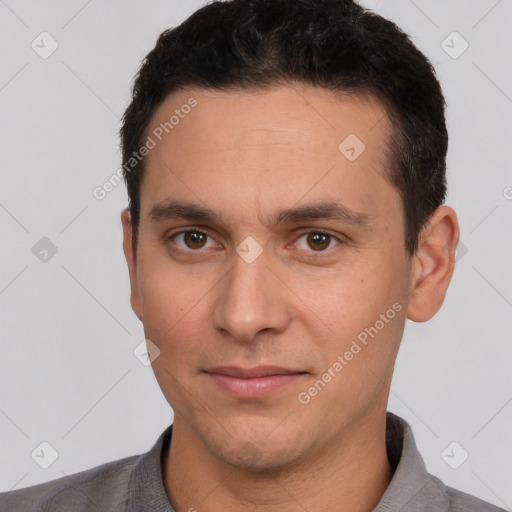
pixel 271 270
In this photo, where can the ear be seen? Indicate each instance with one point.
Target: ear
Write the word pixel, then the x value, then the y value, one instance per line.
pixel 433 264
pixel 131 260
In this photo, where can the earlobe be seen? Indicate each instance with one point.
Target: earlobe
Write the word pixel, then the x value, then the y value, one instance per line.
pixel 433 264
pixel 131 262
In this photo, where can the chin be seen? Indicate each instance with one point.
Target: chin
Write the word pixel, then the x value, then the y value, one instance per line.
pixel 258 450
pixel 258 459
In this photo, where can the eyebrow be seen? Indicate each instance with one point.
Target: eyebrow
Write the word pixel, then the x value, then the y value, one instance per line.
pixel 175 210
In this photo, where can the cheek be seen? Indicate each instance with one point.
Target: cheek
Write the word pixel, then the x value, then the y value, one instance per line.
pixel 167 291
pixel 358 358
pixel 365 316
pixel 351 299
pixel 175 309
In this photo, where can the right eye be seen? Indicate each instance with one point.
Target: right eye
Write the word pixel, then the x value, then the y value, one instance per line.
pixel 190 240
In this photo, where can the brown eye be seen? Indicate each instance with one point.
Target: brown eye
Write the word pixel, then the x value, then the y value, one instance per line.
pixel 192 239
pixel 318 241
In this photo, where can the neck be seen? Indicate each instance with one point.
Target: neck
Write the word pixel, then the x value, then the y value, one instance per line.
pixel 352 473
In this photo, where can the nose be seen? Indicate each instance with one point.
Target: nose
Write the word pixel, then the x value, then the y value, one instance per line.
pixel 251 300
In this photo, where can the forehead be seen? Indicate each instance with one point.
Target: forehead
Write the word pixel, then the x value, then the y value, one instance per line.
pixel 286 139
pixel 307 112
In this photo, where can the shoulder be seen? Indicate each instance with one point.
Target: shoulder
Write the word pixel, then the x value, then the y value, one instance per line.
pixel 104 487
pixel 463 502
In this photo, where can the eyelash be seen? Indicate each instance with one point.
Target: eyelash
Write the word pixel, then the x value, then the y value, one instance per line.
pixel 204 233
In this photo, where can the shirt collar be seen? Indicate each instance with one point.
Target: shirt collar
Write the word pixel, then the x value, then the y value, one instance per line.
pixel 147 491
pixel 410 487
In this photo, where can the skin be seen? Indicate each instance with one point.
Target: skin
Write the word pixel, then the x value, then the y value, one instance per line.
pixel 247 156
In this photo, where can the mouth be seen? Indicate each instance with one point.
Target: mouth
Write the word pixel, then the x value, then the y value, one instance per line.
pixel 253 383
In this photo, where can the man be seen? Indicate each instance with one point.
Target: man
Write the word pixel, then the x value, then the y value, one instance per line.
pixel 285 165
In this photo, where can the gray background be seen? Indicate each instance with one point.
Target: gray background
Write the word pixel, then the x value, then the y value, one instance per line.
pixel 68 375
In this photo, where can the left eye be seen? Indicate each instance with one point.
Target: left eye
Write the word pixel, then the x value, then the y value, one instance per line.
pixel 319 240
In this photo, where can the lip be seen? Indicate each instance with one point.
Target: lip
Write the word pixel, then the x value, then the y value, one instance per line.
pixel 251 383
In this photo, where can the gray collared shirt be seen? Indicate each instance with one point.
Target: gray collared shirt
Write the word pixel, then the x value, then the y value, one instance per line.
pixel 134 484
